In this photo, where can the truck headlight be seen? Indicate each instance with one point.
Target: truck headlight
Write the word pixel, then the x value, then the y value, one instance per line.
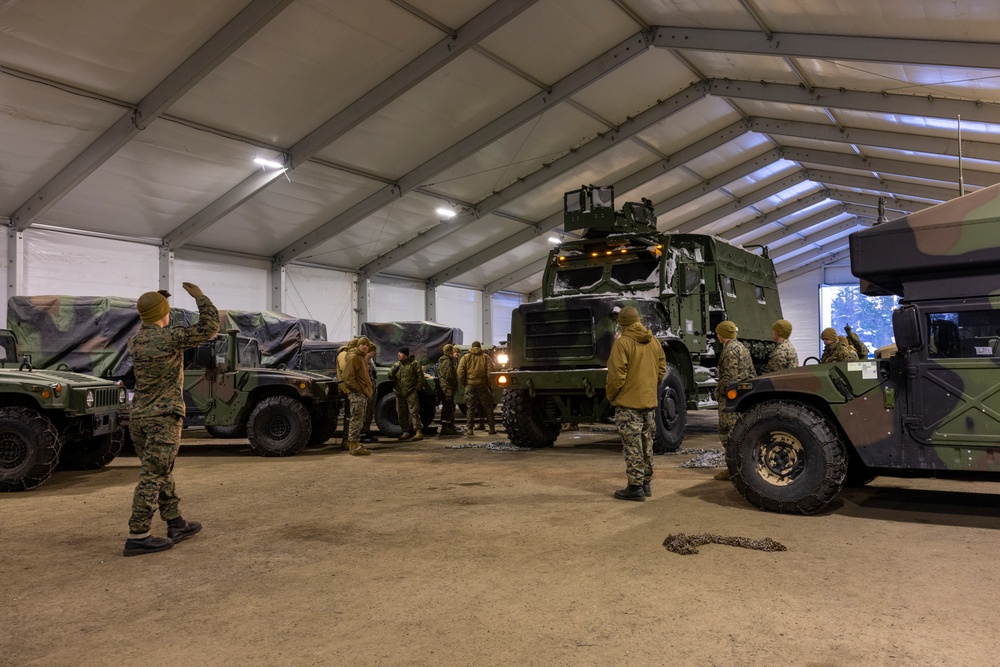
pixel 503 358
pixel 90 398
pixel 122 395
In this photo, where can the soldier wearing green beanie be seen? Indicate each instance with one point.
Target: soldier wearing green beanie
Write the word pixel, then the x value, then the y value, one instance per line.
pixel 735 364
pixel 835 349
pixel 447 376
pixel 783 355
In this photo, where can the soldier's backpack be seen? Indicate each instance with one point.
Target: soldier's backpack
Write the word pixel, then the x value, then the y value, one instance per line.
pixel 856 343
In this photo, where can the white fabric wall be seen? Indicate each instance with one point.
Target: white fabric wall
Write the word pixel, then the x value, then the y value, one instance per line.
pixel 504 304
pixel 462 308
pixel 324 295
pixel 233 283
pixel 395 300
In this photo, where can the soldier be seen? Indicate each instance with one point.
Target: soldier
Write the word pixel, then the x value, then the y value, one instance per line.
pixel 474 374
pixel 448 381
pixel 784 355
pixel 341 368
pixel 834 349
pixel 408 374
pixel 636 366
pixel 366 428
pixel 359 387
pixel 157 415
pixel 735 364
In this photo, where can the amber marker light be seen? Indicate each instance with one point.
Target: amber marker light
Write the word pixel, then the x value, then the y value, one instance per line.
pixel 731 394
pixel 502 380
pixel 45 393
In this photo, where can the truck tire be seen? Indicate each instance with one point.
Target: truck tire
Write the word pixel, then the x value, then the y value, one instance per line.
pixel 29 448
pixel 671 412
pixel 428 410
pixel 524 421
pixel 324 424
pixel 386 418
pixel 227 431
pixel 784 456
pixel 279 426
pixel 858 474
pixel 94 453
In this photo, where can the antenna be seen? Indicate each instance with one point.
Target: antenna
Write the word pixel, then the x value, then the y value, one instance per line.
pixel 961 178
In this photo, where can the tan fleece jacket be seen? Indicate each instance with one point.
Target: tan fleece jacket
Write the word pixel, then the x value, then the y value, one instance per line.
pixel 635 368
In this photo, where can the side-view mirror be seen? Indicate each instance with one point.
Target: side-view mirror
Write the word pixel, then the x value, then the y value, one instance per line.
pixel 204 355
pixel 906 327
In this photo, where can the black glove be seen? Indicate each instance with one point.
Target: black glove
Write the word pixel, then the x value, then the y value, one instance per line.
pixel 164 293
pixel 192 289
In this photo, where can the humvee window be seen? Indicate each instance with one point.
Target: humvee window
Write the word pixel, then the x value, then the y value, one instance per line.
pixel 602 198
pixel 964 334
pixel 571 280
pixel 314 360
pixel 640 267
pixel 728 286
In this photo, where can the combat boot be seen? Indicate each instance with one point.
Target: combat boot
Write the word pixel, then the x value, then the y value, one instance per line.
pixel 344 444
pixel 419 435
pixel 448 429
pixel 646 489
pixel 469 431
pixel 631 492
pixel 404 436
pixel 357 449
pixel 179 530
pixel 493 429
pixel 146 545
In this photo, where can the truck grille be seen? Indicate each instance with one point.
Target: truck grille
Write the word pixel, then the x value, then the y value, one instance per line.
pixel 559 334
pixel 105 397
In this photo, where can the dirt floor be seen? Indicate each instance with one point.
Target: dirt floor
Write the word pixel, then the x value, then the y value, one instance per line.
pixel 424 555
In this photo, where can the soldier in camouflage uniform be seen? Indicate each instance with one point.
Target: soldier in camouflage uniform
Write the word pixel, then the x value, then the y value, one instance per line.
pixel 474 374
pixel 735 364
pixel 636 367
pixel 366 429
pixel 341 368
pixel 408 374
pixel 157 415
pixel 784 355
pixel 448 381
pixel 360 390
pixel 834 349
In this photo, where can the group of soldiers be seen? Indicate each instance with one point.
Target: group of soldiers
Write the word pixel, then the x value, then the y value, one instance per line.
pixel 356 370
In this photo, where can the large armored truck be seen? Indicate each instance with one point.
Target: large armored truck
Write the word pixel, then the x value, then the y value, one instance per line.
pixel 225 388
pixel 50 418
pixel 682 284
pixel 930 409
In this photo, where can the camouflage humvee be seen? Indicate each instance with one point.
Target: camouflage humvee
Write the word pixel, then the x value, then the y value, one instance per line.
pixel 931 408
pixel 682 284
pixel 225 388
pixel 50 418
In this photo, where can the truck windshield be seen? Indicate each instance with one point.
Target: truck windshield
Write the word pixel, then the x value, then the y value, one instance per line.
pixel 600 268
pixel 319 360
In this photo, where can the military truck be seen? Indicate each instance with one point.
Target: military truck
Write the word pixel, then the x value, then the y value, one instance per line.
pixel 226 389
pixel 50 418
pixel 683 285
pixel 932 408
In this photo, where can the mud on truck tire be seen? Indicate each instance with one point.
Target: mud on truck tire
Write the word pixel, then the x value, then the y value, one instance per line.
pixel 784 456
pixel 29 448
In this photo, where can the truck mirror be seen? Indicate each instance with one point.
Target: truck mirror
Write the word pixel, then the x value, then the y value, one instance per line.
pixel 906 327
pixel 204 355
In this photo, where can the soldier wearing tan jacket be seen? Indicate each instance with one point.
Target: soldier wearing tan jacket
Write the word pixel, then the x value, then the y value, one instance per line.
pixel 358 383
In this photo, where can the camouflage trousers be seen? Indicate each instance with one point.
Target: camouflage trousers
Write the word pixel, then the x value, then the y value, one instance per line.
pixel 408 412
pixel 359 408
pixel 479 404
pixel 366 425
pixel 727 420
pixel 157 440
pixel 448 410
pixel 636 428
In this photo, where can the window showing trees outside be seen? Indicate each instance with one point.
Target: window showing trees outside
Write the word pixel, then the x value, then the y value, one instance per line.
pixel 869 316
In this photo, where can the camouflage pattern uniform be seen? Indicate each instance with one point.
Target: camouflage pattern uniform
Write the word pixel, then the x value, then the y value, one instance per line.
pixel 839 351
pixel 448 381
pixel 366 429
pixel 782 357
pixel 735 364
pixel 408 374
pixel 359 387
pixel 158 411
pixel 474 374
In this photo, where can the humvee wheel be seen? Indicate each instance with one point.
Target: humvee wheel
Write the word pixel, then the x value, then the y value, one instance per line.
pixel 671 412
pixel 227 431
pixel 523 421
pixel 94 453
pixel 29 448
pixel 784 456
pixel 858 474
pixel 324 424
pixel 279 426
pixel 386 418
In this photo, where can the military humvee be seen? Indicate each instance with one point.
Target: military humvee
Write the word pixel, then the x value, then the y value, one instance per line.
pixel 50 418
pixel 226 389
pixel 932 408
pixel 682 284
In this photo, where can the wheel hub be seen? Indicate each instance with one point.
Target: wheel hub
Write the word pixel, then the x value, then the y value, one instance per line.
pixel 780 458
pixel 13 452
pixel 278 427
pixel 668 406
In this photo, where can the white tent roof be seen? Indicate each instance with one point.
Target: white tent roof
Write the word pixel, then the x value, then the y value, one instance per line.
pixel 779 122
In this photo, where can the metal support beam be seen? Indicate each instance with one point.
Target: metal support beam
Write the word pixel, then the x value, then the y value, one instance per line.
pixel 872 201
pixel 15 261
pixel 716 182
pixel 582 154
pixel 806 223
pixel 430 301
pixel 884 166
pixel 595 69
pixel 836 230
pixel 627 184
pixel 777 214
pixel 823 251
pixel 526 271
pixel 891 103
pixel 166 268
pixel 743 202
pixel 363 285
pixel 234 34
pixel 487 323
pixel 830 47
pixel 812 266
pixel 890 188
pixel 278 280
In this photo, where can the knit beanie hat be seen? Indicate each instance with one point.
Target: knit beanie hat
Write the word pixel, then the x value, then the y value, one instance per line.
pixel 152 306
pixel 829 335
pixel 353 343
pixel 363 340
pixel 476 343
pixel 726 329
pixel 627 316
pixel 405 351
pixel 448 347
pixel 783 328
